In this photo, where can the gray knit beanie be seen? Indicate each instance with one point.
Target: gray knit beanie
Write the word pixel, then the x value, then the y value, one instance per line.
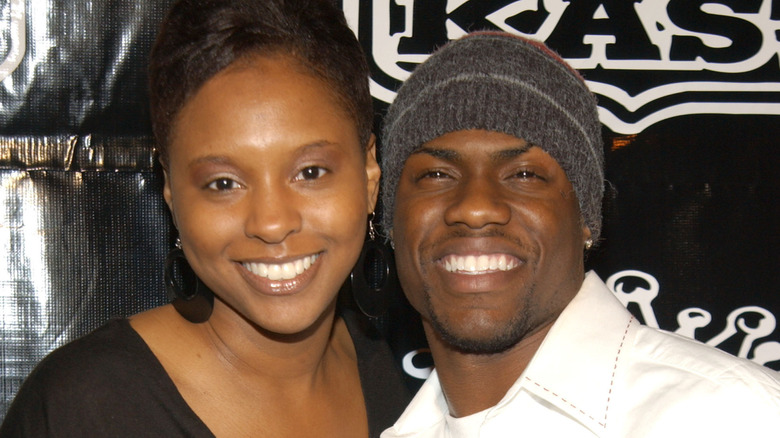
pixel 504 83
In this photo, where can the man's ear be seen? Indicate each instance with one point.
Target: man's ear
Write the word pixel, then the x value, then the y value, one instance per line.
pixel 373 173
pixel 587 236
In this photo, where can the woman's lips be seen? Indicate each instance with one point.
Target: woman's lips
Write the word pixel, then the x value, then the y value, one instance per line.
pixel 281 271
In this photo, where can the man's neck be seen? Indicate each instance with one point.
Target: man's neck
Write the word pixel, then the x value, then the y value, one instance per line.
pixel 474 382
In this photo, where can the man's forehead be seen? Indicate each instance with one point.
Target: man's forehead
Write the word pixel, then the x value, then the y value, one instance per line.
pixel 454 146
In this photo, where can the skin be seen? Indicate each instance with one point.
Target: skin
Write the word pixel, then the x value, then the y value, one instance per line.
pixel 265 168
pixel 479 193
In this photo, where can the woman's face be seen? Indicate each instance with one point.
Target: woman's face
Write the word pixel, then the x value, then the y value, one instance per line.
pixel 270 190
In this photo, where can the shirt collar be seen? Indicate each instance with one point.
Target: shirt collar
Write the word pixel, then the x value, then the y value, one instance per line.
pixel 426 411
pixel 574 368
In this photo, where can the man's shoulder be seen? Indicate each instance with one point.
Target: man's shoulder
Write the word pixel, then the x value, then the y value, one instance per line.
pixel 688 356
pixel 674 375
pixel 668 358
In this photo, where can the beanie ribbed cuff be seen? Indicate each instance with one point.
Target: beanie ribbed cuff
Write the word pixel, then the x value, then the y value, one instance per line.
pixel 502 83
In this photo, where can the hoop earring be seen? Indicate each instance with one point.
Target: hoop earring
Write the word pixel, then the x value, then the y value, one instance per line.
pixel 373 279
pixel 189 296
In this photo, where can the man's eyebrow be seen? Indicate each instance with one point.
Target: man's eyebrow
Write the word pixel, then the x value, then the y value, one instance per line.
pixel 454 156
pixel 444 154
pixel 508 154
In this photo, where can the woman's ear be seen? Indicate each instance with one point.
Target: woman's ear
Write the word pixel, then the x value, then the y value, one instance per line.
pixel 167 195
pixel 373 173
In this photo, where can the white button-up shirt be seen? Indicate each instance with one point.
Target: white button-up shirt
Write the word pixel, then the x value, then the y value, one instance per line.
pixel 600 373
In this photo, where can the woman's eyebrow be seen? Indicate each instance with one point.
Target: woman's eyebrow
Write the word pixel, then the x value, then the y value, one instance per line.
pixel 210 159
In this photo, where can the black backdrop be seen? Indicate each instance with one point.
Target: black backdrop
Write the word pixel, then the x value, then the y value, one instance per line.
pixel 690 99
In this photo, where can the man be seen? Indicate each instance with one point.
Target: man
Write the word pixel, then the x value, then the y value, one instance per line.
pixel 493 170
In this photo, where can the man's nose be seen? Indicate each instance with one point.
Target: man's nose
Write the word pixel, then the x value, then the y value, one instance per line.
pixel 478 202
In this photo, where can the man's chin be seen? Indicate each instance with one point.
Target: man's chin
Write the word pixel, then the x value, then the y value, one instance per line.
pixel 469 342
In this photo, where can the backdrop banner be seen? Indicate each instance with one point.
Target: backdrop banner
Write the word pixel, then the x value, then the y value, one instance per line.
pixel 689 97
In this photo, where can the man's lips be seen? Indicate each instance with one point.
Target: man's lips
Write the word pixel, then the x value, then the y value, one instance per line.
pixel 281 271
pixel 479 264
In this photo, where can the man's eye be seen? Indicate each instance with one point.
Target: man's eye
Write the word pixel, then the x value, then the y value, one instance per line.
pixel 527 174
pixel 434 174
pixel 310 173
pixel 223 184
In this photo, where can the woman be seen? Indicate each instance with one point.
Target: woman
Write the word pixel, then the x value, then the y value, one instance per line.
pixel 263 119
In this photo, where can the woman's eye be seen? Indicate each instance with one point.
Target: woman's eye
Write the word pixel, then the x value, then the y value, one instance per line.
pixel 310 173
pixel 222 184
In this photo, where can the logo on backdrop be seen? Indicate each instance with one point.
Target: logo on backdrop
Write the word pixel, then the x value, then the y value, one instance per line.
pixel 693 318
pixel 13 40
pixel 647 60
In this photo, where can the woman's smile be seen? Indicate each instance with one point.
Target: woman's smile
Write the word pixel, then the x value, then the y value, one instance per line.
pixel 281 271
pixel 277 279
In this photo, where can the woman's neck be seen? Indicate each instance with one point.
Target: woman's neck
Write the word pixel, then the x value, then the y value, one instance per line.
pixel 250 350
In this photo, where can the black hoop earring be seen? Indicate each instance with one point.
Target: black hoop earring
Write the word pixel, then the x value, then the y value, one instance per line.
pixel 373 279
pixel 189 296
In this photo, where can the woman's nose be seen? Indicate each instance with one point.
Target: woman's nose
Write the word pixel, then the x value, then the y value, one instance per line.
pixel 272 214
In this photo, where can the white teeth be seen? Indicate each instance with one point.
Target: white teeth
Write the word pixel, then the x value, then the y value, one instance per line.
pixel 274 272
pixel 298 267
pixel 483 263
pixel 281 271
pixel 471 263
pixel 479 264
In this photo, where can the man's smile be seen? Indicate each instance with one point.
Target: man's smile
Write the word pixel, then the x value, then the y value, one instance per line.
pixel 479 264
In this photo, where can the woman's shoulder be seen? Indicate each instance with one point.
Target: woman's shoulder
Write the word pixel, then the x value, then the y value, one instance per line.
pixel 91 359
pixel 94 367
pixel 107 381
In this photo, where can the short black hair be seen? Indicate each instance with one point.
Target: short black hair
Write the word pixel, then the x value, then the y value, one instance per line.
pixel 200 38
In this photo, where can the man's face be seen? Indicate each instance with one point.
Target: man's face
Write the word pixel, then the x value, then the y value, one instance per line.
pixel 488 239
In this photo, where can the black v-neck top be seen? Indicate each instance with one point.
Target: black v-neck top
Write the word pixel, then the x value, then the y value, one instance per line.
pixel 110 384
